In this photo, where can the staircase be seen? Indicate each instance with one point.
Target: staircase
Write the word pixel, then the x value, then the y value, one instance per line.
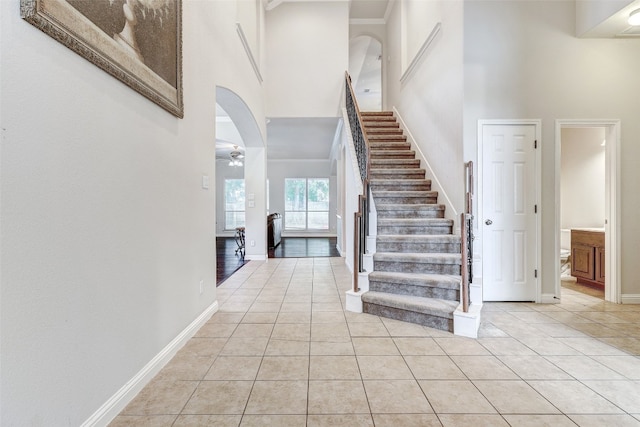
pixel 417 264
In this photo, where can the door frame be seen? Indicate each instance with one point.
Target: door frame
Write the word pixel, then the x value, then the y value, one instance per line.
pixel 612 203
pixel 537 123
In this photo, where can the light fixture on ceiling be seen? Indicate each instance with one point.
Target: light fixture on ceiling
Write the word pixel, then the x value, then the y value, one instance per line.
pixel 235 156
pixel 634 18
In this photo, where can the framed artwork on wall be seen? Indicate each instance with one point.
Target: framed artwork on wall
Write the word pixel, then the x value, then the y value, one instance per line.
pixel 139 42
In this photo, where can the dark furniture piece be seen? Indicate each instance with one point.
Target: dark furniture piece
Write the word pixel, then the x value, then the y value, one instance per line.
pixel 274 230
pixel 240 240
pixel 587 256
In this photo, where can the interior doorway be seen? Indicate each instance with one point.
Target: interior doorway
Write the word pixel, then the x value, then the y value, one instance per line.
pixel 587 179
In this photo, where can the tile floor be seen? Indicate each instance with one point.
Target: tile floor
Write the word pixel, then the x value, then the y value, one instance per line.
pixel 281 351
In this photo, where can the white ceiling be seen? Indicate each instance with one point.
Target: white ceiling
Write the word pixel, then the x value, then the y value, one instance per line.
pixel 301 138
pixel 368 9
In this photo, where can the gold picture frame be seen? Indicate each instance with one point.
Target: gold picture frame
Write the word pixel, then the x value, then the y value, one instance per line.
pixel 139 42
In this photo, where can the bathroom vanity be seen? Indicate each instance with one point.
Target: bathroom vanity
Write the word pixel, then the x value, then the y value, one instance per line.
pixel 587 255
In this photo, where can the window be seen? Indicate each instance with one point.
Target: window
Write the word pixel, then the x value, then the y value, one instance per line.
pixel 233 203
pixel 306 205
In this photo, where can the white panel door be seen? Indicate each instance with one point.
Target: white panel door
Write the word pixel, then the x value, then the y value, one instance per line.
pixel 509 224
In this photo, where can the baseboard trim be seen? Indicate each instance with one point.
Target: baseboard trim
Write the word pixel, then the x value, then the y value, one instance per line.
pixel 549 299
pixel 112 407
pixel 630 298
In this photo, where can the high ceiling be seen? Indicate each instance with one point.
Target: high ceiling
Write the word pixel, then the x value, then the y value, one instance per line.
pixel 368 9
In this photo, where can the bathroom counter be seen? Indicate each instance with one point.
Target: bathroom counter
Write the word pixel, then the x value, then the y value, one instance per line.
pixel 588 255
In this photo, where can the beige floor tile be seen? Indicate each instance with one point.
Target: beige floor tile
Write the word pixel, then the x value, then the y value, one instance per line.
pixel 294 317
pixel 629 366
pixel 462 346
pixel 221 317
pixel 514 397
pixel 143 421
pixel 483 368
pixel 404 329
pixel 244 347
pixel 624 394
pixel 584 368
pixel 216 330
pixel 278 397
pixel 593 347
pixel 357 420
pixel 284 368
pixel 534 368
pixel 324 348
pixel 337 397
pixel 328 317
pixel 185 367
pixel 234 368
pixel 203 347
pixel 334 368
pixel 505 347
pixel 397 420
pixel 573 397
pixel 423 346
pixel 434 368
pixel 287 348
pixel 291 331
pixel 396 397
pixel 161 397
pixel 361 317
pixel 384 368
pixel 206 399
pixel 475 420
pixel 253 330
pixel 605 420
pixel 375 346
pixel 260 317
pixel 629 345
pixel 326 306
pixel 330 332
pixel 274 421
pixel 295 307
pixel 265 307
pixel 208 420
pixel 368 330
pixel 451 397
pixel 548 346
pixel 489 330
pixel 539 421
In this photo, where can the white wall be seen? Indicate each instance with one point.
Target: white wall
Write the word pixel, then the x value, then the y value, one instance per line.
pixel 106 231
pixel 430 99
pixel 582 178
pixel 278 170
pixel 307 55
pixel 522 60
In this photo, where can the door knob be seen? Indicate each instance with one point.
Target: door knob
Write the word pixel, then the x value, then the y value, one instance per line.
pixel 488 222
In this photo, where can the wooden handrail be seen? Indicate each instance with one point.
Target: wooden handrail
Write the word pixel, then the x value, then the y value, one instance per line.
pixel 466 238
pixel 361 218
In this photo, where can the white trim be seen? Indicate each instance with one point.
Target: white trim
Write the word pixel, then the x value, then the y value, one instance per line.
pixel 365 21
pixel 537 123
pixel 352 152
pixel 450 211
pixel 549 299
pixel 387 12
pixel 613 290
pixel 423 49
pixel 630 298
pixel 247 48
pixel 116 403
pixel 467 324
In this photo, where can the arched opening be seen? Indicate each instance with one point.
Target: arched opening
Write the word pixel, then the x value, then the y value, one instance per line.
pixel 365 68
pixel 240 197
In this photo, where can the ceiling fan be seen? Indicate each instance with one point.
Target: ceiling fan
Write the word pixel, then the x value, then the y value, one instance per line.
pixel 235 156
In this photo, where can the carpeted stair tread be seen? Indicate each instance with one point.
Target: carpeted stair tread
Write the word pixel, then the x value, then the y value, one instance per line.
pixel 417 258
pixel 430 306
pixel 430 238
pixel 414 222
pixel 392 154
pixel 386 137
pixel 406 207
pixel 383 131
pixel 397 163
pixel 376 113
pixel 445 281
pixel 385 193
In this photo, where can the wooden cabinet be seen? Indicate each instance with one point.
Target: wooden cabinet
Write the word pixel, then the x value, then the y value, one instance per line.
pixel 587 256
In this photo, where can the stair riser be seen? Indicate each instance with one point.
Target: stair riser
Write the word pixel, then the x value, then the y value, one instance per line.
pixel 412 267
pixel 386 146
pixel 417 200
pixel 378 119
pixel 418 291
pixel 401 186
pixel 420 248
pixel 410 214
pixel 395 163
pixel 383 131
pixel 392 155
pixel 411 231
pixel 397 174
pixel 429 320
pixel 386 137
pixel 379 125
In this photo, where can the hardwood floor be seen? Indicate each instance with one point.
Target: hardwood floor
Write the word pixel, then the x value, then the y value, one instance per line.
pixel 228 261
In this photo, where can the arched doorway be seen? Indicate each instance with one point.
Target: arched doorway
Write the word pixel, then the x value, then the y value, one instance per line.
pixel 365 68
